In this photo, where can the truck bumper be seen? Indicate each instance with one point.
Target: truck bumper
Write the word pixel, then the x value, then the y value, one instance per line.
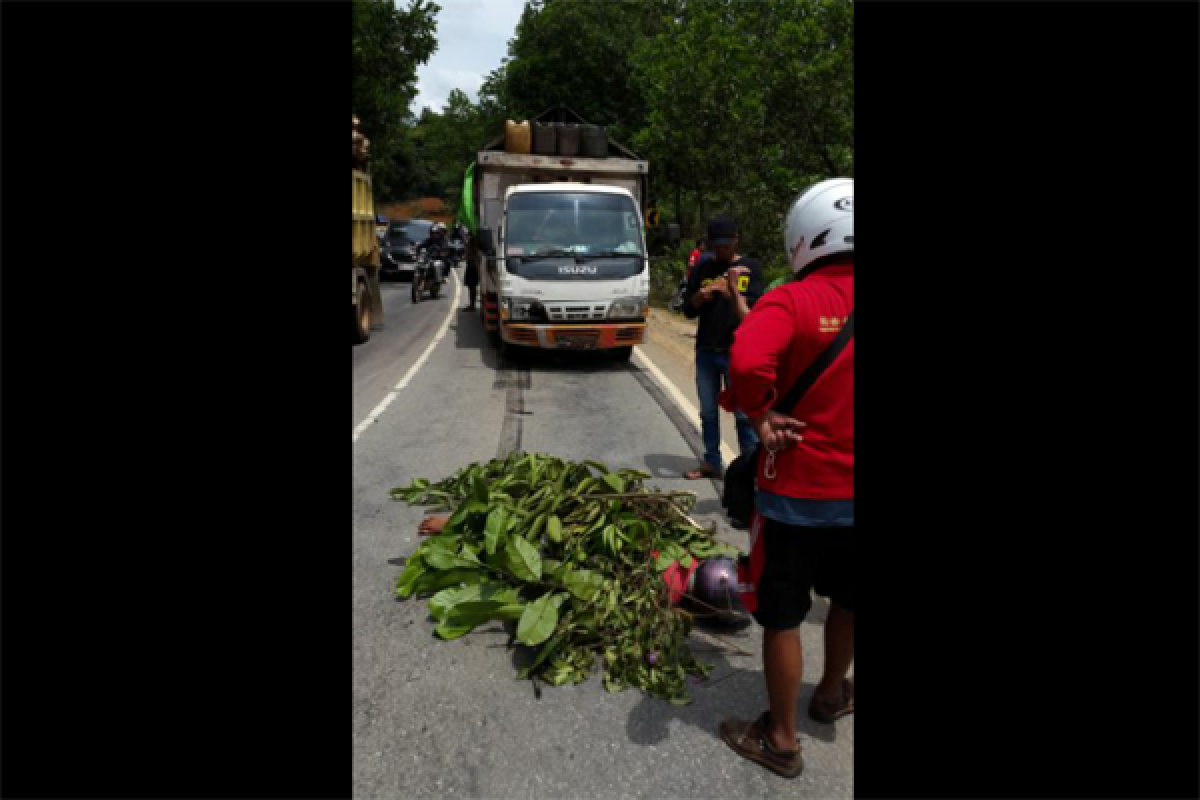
pixel 574 337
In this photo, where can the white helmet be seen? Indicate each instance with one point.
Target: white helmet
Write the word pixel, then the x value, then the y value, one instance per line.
pixel 820 223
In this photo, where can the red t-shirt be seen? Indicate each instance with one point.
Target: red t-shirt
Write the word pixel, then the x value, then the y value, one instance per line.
pixel 785 332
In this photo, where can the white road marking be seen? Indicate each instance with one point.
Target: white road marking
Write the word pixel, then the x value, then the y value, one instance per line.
pixel 408 376
pixel 680 399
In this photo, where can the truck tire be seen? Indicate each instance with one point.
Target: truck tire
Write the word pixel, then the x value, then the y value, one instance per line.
pixel 623 353
pixel 362 315
pixel 414 290
pixel 433 290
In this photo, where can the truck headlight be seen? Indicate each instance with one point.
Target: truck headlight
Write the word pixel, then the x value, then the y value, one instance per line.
pixel 519 308
pixel 627 307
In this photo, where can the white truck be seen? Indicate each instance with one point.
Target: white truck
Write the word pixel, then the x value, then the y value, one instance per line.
pixel 561 249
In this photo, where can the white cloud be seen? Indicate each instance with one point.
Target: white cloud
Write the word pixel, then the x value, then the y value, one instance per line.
pixel 472 39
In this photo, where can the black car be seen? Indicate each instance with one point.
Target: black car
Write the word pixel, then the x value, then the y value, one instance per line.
pixel 403 236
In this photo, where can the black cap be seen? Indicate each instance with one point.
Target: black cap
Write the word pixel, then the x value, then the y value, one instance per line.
pixel 721 230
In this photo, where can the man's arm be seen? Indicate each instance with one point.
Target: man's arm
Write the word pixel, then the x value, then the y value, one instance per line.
pixel 761 342
pixel 748 275
pixel 693 296
pixel 755 290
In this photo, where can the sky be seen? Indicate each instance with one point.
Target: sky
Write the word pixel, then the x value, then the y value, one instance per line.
pixel 472 38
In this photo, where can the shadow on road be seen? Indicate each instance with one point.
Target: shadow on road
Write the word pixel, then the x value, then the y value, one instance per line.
pixel 735 688
pixel 665 466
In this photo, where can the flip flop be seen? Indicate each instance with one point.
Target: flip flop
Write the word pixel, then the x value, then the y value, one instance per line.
pixel 430 528
pixel 702 471
pixel 824 711
pixel 749 740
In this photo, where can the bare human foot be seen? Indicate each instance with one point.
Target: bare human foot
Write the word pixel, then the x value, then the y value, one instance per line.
pixel 431 526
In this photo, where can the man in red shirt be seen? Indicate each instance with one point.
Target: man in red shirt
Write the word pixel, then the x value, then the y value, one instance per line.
pixel 697 251
pixel 803 528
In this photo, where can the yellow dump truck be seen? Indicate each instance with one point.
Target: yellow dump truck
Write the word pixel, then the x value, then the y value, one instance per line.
pixel 368 300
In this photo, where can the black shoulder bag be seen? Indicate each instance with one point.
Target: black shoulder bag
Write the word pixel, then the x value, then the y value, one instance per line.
pixel 738 495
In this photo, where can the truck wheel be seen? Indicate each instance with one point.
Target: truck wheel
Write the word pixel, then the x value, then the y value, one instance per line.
pixel 415 291
pixel 362 315
pixel 433 290
pixel 623 353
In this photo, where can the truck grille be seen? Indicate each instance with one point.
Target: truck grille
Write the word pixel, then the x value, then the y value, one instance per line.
pixel 566 313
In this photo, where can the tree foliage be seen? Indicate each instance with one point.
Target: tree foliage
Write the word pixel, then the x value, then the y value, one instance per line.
pixel 389 43
pixel 737 104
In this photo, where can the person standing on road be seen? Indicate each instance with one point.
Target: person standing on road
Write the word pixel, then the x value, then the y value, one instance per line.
pixel 471 275
pixel 697 251
pixel 721 291
pixel 802 533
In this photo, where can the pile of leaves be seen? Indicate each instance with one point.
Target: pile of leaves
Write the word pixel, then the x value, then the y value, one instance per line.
pixel 574 554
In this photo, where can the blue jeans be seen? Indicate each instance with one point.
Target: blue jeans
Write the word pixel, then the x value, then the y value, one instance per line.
pixel 712 372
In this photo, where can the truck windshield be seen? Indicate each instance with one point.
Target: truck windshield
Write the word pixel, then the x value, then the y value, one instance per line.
pixel 574 223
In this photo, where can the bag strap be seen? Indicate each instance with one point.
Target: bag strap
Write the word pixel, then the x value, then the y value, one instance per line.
pixel 805 381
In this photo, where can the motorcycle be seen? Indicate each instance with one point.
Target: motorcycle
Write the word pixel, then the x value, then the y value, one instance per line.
pixel 428 274
pixel 675 304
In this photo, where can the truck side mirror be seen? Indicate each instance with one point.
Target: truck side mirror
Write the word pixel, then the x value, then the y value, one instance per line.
pixel 485 242
pixel 673 234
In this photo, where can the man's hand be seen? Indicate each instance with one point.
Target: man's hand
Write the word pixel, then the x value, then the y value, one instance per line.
pixel 778 431
pixel 720 286
pixel 702 296
pixel 732 277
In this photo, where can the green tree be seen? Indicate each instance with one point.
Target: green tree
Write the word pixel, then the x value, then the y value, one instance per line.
pixel 748 102
pixel 576 53
pixel 447 141
pixel 389 43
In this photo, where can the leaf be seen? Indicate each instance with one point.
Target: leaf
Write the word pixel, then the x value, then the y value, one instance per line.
pixel 615 483
pixel 455 626
pixel 540 619
pixel 601 468
pixel 554 529
pixel 583 583
pixel 440 579
pixel 448 598
pixel 479 491
pixel 456 519
pixel 414 568
pixel 472 599
pixel 440 559
pixel 523 559
pixel 497 523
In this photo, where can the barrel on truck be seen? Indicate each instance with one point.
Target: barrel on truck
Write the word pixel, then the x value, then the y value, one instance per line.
pixel 561 248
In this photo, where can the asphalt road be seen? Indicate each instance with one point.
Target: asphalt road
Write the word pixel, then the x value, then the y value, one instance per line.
pixel 450 719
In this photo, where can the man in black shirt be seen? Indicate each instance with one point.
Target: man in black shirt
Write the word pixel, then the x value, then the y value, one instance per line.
pixel 720 291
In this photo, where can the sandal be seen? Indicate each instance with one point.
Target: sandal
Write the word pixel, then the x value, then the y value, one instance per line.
pixel 702 471
pixel 827 712
pixel 749 740
pixel 432 526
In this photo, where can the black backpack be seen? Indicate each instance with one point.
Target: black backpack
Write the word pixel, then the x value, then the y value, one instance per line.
pixel 738 494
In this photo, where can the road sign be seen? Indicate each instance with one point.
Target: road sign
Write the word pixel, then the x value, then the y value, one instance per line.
pixel 652 217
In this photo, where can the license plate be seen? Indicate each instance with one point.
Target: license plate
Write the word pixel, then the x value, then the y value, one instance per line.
pixel 576 341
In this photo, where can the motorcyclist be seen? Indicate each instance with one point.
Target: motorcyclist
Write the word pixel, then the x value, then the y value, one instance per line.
pixel 437 246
